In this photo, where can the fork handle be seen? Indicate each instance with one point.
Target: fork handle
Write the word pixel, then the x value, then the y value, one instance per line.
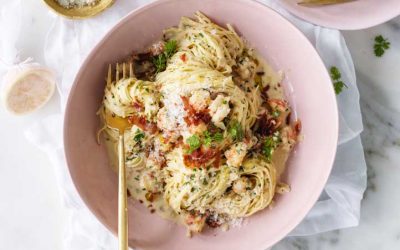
pixel 311 3
pixel 122 199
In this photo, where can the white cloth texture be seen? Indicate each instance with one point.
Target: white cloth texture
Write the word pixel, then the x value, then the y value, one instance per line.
pixel 67 44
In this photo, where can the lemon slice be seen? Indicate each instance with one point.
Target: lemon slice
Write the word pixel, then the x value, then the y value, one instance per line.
pixel 28 89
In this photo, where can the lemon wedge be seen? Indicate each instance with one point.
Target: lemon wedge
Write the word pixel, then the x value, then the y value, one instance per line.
pixel 28 89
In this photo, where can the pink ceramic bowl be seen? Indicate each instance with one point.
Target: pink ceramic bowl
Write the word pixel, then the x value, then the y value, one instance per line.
pixel 309 90
pixel 359 14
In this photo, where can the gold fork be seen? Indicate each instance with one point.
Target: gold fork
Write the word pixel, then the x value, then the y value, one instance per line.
pixel 310 3
pixel 120 124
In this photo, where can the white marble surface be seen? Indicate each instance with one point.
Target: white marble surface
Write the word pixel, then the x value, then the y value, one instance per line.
pixel 32 216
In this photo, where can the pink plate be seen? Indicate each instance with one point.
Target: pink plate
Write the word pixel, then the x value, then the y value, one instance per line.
pixel 359 14
pixel 309 90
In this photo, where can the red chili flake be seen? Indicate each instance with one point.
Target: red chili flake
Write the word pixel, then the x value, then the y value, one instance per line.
pixel 140 201
pixel 152 211
pixel 128 193
pixel 183 57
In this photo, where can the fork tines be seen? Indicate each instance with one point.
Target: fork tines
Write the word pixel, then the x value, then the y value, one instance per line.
pixel 119 68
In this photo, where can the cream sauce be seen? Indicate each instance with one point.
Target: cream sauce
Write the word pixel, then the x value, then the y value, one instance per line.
pixel 136 191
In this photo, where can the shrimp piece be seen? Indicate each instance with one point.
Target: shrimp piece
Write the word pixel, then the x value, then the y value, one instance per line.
pixel 236 153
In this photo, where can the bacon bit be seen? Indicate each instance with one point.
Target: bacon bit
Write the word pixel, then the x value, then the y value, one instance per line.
pixel 288 118
pixel 277 103
pixel 141 122
pixel 142 56
pixel 194 117
pixel 217 160
pixel 297 127
pixel 138 106
pixel 183 57
pixel 200 157
pixel 264 92
pixel 163 163
pixel 267 126
pixel 194 217
pixel 149 196
pixel 212 222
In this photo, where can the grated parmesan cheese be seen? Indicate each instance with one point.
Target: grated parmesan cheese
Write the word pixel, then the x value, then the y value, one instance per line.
pixel 76 3
pixel 235 222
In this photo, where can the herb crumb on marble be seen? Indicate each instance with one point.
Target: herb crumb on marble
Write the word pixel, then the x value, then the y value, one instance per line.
pixel 381 45
pixel 336 76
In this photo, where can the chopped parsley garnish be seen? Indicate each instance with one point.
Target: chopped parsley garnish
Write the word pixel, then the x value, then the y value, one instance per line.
pixel 193 142
pixel 270 144
pixel 276 113
pixel 336 76
pixel 160 61
pixel 235 130
pixel 209 138
pixel 218 137
pixel 170 48
pixel 381 45
pixel 138 136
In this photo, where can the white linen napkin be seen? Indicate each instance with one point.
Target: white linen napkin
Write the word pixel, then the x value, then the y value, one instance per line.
pixel 69 42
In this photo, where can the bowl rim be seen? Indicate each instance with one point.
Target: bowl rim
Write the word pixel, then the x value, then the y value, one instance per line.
pixel 307 205
pixel 367 23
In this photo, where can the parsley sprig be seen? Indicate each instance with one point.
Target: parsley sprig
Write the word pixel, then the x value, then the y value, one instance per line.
pixel 193 142
pixel 336 76
pixel 381 45
pixel 160 61
pixel 235 130
pixel 138 136
pixel 270 144
pixel 209 138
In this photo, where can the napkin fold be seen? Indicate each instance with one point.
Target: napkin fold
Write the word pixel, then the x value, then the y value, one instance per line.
pixel 68 42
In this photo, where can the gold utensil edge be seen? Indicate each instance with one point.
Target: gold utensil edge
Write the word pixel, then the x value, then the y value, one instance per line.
pixel 122 187
pixel 311 3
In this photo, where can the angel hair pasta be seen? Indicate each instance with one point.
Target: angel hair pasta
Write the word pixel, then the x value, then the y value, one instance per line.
pixel 211 129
